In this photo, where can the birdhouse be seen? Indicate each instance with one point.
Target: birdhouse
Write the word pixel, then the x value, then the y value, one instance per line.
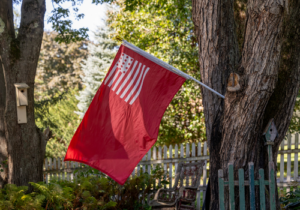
pixel 270 132
pixel 22 101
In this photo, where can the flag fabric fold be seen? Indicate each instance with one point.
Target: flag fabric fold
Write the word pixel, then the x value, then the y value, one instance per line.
pixel 122 121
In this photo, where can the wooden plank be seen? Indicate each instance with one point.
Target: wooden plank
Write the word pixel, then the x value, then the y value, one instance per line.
pixel 154 165
pixel 251 186
pixel 198 192
pixel 193 155
pixel 198 200
pixel 272 185
pixel 58 167
pixel 236 183
pixel 187 154
pixel 262 189
pixel 205 166
pixel 296 157
pixel 62 168
pixel 181 156
pixel 159 158
pixel 282 163
pixel 165 164
pixel 170 166
pixel 288 171
pixel 144 165
pixel 174 160
pixel 231 186
pixel 149 159
pixel 242 189
pixel 221 190
pixel 176 156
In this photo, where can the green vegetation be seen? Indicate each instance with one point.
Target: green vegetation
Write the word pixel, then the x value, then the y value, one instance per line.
pixel 291 200
pixel 153 27
pixel 95 191
pixel 101 55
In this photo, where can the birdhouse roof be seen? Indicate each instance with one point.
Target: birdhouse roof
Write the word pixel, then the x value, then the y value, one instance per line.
pixel 268 126
pixel 21 85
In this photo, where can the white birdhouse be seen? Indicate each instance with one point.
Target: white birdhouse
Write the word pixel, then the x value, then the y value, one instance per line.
pixel 22 101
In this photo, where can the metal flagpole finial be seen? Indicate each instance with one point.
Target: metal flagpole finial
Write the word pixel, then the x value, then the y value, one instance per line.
pixel 167 66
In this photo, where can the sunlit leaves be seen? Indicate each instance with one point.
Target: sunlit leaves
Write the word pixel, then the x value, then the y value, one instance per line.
pixel 165 29
pixel 61 23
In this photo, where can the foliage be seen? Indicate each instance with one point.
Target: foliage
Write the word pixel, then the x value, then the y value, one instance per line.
pixel 295 122
pixel 13 197
pixel 101 55
pixel 56 84
pixel 89 190
pixel 153 27
pixel 291 200
pixel 59 115
pixel 59 67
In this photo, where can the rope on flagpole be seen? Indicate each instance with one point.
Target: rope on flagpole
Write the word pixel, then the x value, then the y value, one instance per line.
pixel 167 66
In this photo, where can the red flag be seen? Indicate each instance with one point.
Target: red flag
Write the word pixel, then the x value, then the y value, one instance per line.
pixel 122 122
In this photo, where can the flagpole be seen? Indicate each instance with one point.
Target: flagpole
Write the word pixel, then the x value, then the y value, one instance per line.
pixel 167 66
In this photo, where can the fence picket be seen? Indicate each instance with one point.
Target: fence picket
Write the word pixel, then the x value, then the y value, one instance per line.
pixel 170 166
pixel 165 164
pixel 176 156
pixel 187 147
pixel 154 165
pixel 251 186
pixel 149 158
pixel 199 192
pixel 262 189
pixel 296 157
pixel 288 171
pixel 231 186
pixel 181 156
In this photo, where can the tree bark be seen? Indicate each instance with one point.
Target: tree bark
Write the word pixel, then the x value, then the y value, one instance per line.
pixel 269 79
pixel 23 144
pixel 218 56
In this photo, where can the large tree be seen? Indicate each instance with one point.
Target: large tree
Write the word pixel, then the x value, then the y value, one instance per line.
pixel 268 66
pixel 22 146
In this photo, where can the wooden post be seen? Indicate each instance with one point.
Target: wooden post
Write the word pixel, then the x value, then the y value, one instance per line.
pixel 251 186
pixel 272 185
pixel 231 186
pixel 262 189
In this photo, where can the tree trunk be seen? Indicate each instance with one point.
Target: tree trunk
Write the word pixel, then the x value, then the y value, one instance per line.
pixel 268 72
pixel 23 145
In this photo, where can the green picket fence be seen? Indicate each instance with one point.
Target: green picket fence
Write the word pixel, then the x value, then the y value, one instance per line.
pixel 241 183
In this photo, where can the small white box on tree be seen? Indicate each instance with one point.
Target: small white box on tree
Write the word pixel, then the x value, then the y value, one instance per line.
pixel 22 101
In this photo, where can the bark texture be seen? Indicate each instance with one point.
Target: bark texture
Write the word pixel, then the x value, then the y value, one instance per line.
pixel 218 56
pixel 23 145
pixel 269 77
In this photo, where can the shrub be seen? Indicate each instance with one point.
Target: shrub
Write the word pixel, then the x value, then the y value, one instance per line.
pixel 89 190
pixel 291 200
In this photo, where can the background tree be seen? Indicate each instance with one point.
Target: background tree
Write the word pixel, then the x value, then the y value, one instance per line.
pixel 57 82
pixel 101 55
pixel 23 145
pixel 59 116
pixel 59 67
pixel 268 65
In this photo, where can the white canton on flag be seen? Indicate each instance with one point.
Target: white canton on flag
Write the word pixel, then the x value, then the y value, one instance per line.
pixel 133 81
